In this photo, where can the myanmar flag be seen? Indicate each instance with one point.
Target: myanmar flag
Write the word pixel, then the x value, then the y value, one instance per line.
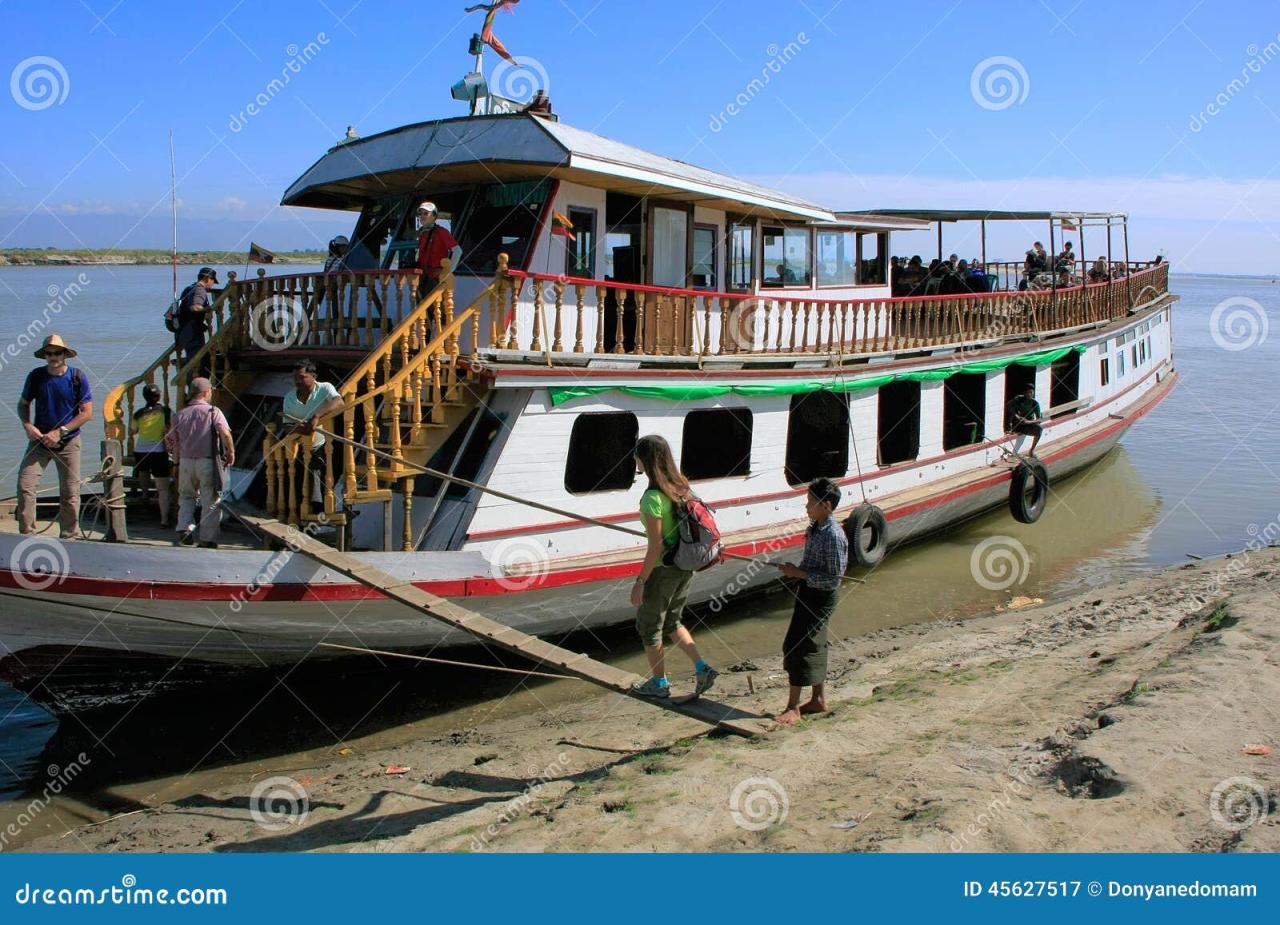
pixel 562 227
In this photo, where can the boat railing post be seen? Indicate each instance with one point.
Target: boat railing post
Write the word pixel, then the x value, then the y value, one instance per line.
pixel 112 451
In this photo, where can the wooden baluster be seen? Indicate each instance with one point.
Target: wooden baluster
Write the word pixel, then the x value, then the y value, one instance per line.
pixel 406 494
pixel 330 499
pixel 557 340
pixel 416 384
pixel 725 303
pixel 349 448
pixel 601 295
pixel 580 294
pixel 475 337
pixel 304 489
pixel 369 413
pixel 657 325
pixel 394 421
pixel 269 467
pixel 705 346
pixel 641 325
pixel 513 316
pixel 384 315
pixel 619 344
pixel 437 408
pixel 292 490
pixel 795 320
pixel 536 344
pixel 495 309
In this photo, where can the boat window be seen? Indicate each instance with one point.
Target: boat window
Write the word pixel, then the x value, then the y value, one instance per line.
pixel 704 257
pixel 602 452
pixel 670 247
pixel 580 254
pixel 1016 379
pixel 964 409
pixel 1120 363
pixel 502 219
pixel 837 258
pixel 741 256
pixel 716 443
pixel 374 232
pixel 1064 378
pixel 871 259
pixel 622 238
pixel 1104 371
pixel 898 433
pixel 1134 348
pixel 785 257
pixel 817 437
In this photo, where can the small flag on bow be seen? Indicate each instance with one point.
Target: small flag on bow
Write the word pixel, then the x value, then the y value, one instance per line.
pixel 259 254
pixel 486 32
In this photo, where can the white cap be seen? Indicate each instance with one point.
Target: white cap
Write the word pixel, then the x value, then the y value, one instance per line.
pixel 427 207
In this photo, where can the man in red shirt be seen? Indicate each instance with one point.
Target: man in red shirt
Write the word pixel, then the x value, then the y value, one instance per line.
pixel 435 243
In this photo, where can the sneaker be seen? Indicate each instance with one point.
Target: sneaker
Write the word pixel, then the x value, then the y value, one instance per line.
pixel 651 688
pixel 183 539
pixel 705 680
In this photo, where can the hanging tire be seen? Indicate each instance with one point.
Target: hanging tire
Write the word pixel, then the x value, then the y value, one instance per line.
pixel 868 533
pixel 1029 491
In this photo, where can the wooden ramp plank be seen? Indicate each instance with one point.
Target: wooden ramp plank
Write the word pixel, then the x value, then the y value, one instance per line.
pixel 537 650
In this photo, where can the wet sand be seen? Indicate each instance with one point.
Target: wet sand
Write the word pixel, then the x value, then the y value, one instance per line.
pixel 1115 720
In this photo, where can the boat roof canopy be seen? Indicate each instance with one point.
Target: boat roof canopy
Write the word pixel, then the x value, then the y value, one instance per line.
pixel 990 215
pixel 507 148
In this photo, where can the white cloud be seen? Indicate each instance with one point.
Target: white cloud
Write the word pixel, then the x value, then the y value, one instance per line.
pixel 231 204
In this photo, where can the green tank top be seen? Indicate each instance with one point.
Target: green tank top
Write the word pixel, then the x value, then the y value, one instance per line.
pixel 151 425
pixel 656 504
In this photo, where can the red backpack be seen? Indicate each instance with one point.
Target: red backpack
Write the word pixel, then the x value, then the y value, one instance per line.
pixel 699 546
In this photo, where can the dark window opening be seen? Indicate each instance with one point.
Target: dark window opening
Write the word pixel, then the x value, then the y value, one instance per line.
pixel 741 256
pixel 602 452
pixel 898 434
pixel 817 437
pixel 716 443
pixel 623 264
pixel 964 409
pixel 1105 371
pixel 501 219
pixel 580 254
pixel 1016 379
pixel 1065 386
pixel 479 436
pixel 872 259
pixel 704 257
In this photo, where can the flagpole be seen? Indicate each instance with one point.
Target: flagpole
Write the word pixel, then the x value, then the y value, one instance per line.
pixel 173 201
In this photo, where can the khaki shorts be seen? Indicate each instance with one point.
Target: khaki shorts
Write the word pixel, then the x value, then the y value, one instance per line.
pixel 665 594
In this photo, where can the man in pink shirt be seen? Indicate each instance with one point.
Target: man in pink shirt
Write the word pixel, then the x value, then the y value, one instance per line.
pixel 193 440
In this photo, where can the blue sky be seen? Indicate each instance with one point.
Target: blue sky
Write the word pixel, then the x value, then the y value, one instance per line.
pixel 875 106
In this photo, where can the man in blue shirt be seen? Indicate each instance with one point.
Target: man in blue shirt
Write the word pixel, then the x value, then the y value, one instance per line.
pixel 194 308
pixel 63 403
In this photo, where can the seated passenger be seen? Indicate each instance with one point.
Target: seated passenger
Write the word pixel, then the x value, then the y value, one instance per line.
pixel 1098 273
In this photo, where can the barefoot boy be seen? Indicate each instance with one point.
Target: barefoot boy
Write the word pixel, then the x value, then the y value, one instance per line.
pixel 826 555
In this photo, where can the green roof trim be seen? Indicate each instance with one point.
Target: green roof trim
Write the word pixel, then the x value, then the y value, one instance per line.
pixel 837 383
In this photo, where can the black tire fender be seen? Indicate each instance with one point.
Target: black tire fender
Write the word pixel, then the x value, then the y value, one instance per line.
pixel 868 532
pixel 1028 491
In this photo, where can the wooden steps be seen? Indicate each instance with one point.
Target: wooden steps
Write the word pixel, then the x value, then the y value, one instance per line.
pixel 541 653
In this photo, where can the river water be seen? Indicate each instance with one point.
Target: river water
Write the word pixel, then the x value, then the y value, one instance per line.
pixel 1197 476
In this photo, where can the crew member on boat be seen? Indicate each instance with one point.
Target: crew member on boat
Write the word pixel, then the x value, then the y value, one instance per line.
pixel 63 404
pixel 309 401
pixel 194 307
pixel 1024 414
pixel 435 243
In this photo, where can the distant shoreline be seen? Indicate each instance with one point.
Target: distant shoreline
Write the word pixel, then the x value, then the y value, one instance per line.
pixel 55 257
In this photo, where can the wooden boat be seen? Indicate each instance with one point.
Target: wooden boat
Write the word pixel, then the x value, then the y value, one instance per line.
pixel 758 333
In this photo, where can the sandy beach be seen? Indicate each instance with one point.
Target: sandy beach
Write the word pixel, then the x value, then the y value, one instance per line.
pixel 1121 719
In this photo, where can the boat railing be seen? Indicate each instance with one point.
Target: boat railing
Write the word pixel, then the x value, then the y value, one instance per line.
pixel 566 315
pixel 396 402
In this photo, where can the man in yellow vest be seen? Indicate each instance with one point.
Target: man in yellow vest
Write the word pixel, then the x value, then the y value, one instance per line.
pixel 150 458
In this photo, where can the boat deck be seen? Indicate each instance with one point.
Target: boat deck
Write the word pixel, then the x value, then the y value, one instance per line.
pixel 144 524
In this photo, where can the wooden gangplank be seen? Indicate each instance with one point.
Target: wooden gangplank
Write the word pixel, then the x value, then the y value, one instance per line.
pixel 540 652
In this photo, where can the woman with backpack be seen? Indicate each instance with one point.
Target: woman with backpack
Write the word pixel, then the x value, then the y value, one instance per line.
pixel 660 590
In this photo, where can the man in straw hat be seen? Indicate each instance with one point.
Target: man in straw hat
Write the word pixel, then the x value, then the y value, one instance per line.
pixel 63 403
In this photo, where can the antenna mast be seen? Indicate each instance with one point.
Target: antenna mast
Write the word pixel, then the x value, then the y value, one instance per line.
pixel 173 204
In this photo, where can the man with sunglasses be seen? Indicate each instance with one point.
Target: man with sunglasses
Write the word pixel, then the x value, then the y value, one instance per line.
pixel 63 403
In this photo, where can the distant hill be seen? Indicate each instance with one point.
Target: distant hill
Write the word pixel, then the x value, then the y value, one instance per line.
pixel 50 256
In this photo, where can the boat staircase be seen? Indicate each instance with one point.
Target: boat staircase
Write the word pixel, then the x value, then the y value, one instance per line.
pixel 398 366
